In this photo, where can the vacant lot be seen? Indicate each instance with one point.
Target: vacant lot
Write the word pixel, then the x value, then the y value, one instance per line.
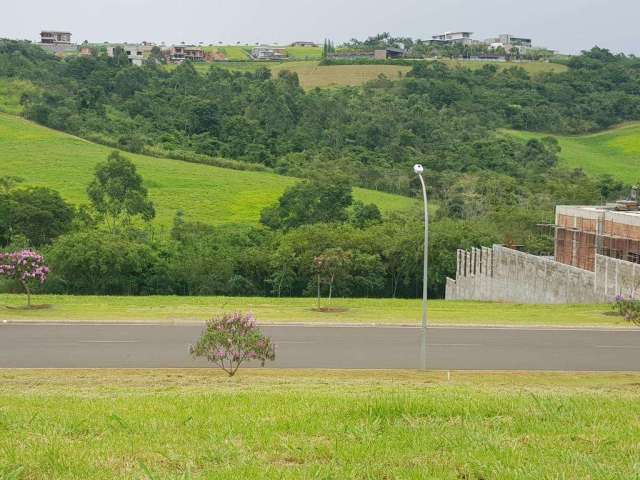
pixel 613 152
pixel 196 424
pixel 45 157
pixel 291 310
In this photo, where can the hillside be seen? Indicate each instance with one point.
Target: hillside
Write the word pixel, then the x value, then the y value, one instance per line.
pixel 210 194
pixel 615 152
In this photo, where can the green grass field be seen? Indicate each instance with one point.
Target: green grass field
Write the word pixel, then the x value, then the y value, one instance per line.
pixel 292 310
pixel 65 163
pixel 263 424
pixel 10 93
pixel 615 152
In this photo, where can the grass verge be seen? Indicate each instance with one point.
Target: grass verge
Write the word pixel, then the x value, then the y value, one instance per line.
pixel 291 310
pixel 196 424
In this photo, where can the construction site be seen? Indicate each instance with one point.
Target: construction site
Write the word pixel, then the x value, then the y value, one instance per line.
pixel 596 257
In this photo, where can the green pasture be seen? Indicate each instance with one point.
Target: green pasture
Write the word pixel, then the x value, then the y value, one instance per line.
pixel 613 152
pixel 45 157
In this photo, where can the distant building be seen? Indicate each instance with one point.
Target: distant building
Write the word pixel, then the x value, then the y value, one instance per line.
pixel 182 53
pixel 304 44
pixel 56 41
pixel 448 38
pixel 85 52
pixel 269 53
pixel 508 42
pixel 387 53
pixel 508 39
pixel 134 52
pixel 51 37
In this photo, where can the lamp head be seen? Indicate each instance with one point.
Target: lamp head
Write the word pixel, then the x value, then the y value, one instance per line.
pixel 418 168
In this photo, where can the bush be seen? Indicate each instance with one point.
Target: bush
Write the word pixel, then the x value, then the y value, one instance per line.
pixel 628 308
pixel 232 339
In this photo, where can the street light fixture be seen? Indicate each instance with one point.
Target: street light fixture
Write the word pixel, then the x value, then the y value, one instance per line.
pixel 419 169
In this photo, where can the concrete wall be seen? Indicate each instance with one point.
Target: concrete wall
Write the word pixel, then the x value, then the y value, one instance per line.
pixel 506 275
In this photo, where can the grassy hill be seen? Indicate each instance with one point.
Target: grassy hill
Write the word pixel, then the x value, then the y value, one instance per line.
pixel 215 195
pixel 615 152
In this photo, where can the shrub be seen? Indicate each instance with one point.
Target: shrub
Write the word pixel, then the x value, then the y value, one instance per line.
pixel 24 267
pixel 628 308
pixel 231 339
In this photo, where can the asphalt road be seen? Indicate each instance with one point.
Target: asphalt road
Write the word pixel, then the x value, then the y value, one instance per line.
pixel 165 346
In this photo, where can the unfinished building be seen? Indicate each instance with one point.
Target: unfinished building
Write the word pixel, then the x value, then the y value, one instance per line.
pixel 56 42
pixel 596 257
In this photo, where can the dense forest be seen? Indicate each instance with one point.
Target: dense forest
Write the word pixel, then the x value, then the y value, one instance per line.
pixel 488 186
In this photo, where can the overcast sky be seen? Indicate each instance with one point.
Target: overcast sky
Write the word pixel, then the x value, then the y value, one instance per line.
pixel 564 25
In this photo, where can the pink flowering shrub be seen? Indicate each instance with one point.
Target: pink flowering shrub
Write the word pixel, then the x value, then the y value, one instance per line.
pixel 232 339
pixel 25 267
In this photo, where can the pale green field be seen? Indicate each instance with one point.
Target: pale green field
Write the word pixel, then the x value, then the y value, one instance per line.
pixel 292 310
pixel 265 424
pixel 45 157
pixel 313 75
pixel 615 152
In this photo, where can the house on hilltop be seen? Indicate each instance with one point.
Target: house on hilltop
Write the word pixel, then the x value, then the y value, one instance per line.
pixel 388 53
pixel 134 52
pixel 304 44
pixel 269 53
pixel 182 53
pixel 450 38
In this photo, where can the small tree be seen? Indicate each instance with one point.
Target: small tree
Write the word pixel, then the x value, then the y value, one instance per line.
pixel 117 192
pixel 330 264
pixel 232 339
pixel 24 267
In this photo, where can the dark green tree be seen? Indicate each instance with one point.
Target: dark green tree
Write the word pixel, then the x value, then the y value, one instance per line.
pixel 308 202
pixel 117 192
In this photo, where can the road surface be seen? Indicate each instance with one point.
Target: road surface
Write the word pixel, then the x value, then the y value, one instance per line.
pixel 165 346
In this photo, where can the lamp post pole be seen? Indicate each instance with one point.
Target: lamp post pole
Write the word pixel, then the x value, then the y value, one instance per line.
pixel 418 169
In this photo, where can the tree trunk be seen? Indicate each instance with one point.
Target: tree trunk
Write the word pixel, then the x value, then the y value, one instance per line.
pixel 28 291
pixel 330 288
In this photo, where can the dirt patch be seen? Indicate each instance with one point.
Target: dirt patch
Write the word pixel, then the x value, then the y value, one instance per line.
pixel 32 307
pixel 330 310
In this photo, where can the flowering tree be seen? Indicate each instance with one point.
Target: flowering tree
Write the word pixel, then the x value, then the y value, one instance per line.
pixel 232 339
pixel 24 267
pixel 628 308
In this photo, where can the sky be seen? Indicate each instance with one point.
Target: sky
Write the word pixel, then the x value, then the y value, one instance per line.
pixel 568 26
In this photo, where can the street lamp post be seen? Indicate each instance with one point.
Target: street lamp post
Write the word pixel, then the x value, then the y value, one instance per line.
pixel 418 169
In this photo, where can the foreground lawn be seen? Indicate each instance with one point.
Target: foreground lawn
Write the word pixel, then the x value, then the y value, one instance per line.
pixel 291 310
pixel 196 424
